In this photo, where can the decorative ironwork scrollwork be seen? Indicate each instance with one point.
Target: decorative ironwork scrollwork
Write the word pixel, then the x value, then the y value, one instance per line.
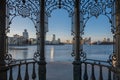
pixel 24 11
pixel 57 4
pixel 36 56
pixel 83 55
pixel 96 10
pixel 24 8
pixel 112 59
pixel 7 58
pixel 90 8
pixel 72 54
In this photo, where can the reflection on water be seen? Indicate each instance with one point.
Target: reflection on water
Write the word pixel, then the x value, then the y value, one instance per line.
pixel 19 54
pixel 63 52
pixel 25 54
pixel 52 53
pixel 22 53
pixel 13 53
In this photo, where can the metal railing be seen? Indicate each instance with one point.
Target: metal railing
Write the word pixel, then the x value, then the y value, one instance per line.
pixel 22 70
pixel 27 69
pixel 96 70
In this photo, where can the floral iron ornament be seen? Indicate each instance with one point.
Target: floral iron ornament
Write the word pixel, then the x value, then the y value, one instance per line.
pixel 51 5
pixel 24 8
pixel 90 8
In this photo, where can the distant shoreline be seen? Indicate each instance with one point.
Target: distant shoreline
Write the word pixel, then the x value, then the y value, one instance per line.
pixel 56 44
pixel 103 43
pixel 36 44
pixel 53 45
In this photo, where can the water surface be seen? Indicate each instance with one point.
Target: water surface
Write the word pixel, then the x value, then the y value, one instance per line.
pixel 63 52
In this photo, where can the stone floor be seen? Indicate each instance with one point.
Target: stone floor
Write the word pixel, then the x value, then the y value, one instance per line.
pixel 59 71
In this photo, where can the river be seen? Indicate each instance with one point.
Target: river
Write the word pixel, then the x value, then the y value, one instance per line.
pixel 63 52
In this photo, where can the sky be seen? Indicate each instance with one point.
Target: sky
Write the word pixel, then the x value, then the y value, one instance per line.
pixel 60 24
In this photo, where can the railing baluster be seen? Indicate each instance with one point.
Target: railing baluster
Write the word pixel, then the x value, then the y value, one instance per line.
pixel 85 73
pixel 19 72
pixel 109 74
pixel 26 73
pixel 100 75
pixel 92 73
pixel 33 73
pixel 81 71
pixel 11 76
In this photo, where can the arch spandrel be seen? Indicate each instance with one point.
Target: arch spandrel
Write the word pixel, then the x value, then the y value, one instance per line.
pixel 88 9
pixel 23 8
pixel 95 8
pixel 58 4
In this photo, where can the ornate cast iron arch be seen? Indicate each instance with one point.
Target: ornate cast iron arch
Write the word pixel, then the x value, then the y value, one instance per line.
pixel 85 20
pixel 58 4
pixel 24 8
pixel 95 8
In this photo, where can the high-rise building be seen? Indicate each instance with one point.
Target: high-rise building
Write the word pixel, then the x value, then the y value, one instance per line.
pixel 53 39
pixel 104 40
pixel 108 39
pixel 25 34
pixel 89 40
pixel 59 40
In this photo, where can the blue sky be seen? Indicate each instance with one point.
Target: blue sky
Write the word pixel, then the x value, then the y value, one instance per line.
pixel 98 28
pixel 60 25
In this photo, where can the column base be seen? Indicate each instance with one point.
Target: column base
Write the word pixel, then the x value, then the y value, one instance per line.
pixel 77 70
pixel 3 73
pixel 42 70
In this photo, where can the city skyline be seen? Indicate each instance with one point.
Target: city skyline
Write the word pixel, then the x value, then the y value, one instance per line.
pixel 54 39
pixel 60 24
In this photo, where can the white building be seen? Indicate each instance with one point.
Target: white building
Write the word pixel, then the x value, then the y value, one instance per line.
pixel 33 41
pixel 16 39
pixel 54 41
pixel 19 40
